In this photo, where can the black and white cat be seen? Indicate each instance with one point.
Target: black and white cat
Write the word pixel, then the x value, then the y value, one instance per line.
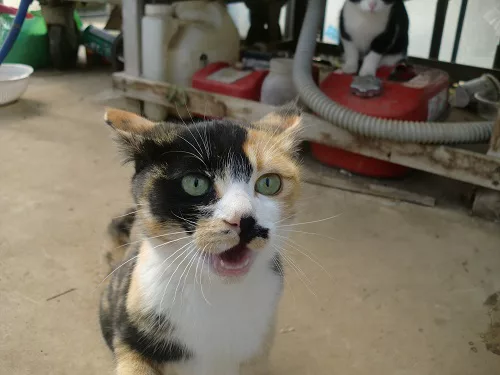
pixel 374 32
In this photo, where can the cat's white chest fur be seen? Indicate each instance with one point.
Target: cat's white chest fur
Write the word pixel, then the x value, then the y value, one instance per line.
pixel 224 325
pixel 363 27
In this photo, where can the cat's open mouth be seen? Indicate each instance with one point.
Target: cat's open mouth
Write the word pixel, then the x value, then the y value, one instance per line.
pixel 233 262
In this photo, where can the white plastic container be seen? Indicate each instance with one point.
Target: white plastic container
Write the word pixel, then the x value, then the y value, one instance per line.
pixel 179 39
pixel 14 80
pixel 158 27
pixel 278 87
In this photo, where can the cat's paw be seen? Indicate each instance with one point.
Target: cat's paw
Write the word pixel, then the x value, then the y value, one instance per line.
pixel 349 68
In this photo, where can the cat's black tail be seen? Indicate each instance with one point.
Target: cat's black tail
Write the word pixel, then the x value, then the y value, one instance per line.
pixel 119 230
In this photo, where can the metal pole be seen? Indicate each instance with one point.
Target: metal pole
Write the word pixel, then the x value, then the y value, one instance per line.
pixel 437 33
pixel 298 17
pixel 460 26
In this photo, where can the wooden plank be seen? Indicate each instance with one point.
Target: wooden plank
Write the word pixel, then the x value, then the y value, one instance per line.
pixel 318 174
pixel 455 163
pixel 487 202
pixel 494 149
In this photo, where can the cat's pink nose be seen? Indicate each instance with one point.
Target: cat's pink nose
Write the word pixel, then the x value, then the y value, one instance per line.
pixel 373 4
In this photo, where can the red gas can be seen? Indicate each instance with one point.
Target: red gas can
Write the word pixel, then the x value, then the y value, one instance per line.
pixel 221 78
pixel 423 97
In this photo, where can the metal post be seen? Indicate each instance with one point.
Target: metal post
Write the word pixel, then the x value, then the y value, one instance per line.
pixel 496 62
pixel 460 26
pixel 299 13
pixel 132 12
pixel 437 33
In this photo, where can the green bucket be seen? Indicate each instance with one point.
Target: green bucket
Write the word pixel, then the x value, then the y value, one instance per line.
pixel 32 44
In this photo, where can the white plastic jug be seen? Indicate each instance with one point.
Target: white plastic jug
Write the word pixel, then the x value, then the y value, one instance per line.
pixel 206 34
pixel 180 39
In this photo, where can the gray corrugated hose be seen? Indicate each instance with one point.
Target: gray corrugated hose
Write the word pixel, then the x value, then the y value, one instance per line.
pixel 401 131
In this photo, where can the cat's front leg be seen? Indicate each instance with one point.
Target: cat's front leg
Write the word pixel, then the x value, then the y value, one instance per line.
pixel 351 57
pixel 129 362
pixel 370 64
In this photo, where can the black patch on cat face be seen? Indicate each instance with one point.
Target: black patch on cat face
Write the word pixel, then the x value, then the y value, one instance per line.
pixel 210 149
pixel 251 230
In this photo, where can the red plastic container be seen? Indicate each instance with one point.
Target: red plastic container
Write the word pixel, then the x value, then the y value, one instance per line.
pixel 422 98
pixel 221 78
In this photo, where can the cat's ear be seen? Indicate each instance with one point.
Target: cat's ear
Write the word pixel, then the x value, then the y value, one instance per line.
pixel 284 124
pixel 131 133
pixel 127 122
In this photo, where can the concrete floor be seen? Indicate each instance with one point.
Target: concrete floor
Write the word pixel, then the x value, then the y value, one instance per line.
pixel 403 292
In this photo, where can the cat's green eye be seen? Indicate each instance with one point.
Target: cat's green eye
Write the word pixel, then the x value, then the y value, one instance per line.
pixel 269 184
pixel 195 184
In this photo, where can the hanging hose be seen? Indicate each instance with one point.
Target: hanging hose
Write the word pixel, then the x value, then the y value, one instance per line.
pixel 16 28
pixel 395 130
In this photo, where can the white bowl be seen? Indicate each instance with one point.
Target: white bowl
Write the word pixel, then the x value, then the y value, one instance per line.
pixel 13 81
pixel 487 105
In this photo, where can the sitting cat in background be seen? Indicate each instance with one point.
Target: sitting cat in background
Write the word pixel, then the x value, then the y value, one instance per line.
pixel 374 32
pixel 196 294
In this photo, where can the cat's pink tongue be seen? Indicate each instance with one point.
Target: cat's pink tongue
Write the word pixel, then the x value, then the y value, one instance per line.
pixel 233 262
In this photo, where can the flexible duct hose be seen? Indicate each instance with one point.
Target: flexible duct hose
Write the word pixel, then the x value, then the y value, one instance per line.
pixel 16 28
pixel 401 131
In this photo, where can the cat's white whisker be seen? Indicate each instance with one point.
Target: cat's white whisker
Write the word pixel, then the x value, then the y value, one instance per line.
pixel 284 219
pixel 184 219
pixel 188 251
pixel 188 127
pixel 194 148
pixel 309 222
pixel 188 153
pixel 296 247
pixel 202 253
pixel 170 256
pixel 186 270
pixel 149 238
pixel 201 284
pixel 168 242
pixel 311 233
pixel 127 214
pixel 285 278
pixel 116 269
pixel 292 265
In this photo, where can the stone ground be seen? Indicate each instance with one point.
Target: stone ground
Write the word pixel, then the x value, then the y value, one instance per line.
pixel 401 289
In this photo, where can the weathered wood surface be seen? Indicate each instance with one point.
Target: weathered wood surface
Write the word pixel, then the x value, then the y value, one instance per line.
pixel 475 168
pixel 487 202
pixel 318 174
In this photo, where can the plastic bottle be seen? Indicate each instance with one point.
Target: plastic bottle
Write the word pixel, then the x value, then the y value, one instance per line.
pixel 180 39
pixel 206 35
pixel 278 87
pixel 158 27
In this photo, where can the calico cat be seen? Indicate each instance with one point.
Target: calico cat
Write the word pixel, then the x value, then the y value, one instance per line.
pixel 374 32
pixel 197 292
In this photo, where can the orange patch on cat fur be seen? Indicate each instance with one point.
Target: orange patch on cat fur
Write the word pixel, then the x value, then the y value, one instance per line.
pixel 129 361
pixel 127 121
pixel 214 231
pixel 268 155
pixel 133 294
